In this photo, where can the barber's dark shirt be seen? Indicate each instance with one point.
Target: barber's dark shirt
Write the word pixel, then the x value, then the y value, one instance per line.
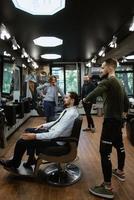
pixel 114 97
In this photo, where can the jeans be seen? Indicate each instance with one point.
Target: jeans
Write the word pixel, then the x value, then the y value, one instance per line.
pixel 49 110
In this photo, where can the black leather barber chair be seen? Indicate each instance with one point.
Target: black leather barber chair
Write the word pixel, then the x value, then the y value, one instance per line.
pixel 58 168
pixel 61 171
pixel 130 128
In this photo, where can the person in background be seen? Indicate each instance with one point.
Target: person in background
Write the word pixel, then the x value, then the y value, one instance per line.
pixel 88 86
pixel 116 105
pixel 49 92
pixel 30 141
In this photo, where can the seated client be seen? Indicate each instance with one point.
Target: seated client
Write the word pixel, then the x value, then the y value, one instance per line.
pixel 30 140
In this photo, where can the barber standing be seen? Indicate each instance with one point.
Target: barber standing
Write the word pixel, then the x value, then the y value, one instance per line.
pixel 50 91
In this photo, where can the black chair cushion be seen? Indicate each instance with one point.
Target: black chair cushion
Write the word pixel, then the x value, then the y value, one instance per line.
pixel 58 150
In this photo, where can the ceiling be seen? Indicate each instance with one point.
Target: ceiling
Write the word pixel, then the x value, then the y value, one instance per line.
pixel 84 25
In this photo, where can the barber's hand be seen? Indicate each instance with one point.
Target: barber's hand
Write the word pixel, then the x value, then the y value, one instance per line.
pixel 28 136
pixel 125 114
pixel 84 101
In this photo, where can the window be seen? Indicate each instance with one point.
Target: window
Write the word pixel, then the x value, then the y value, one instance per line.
pixel 126 75
pixel 59 73
pixel 7 83
pixel 71 75
pixel 68 77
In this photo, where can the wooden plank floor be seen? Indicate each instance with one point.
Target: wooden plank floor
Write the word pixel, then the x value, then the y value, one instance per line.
pixel 16 188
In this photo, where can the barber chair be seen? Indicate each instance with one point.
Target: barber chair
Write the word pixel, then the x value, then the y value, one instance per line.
pixel 58 160
pixel 61 171
pixel 130 128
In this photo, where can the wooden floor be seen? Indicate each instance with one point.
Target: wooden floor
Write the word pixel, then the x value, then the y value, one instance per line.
pixel 16 188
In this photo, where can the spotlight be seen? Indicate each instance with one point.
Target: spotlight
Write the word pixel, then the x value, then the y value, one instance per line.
pixel 4 34
pixel 124 59
pixel 94 59
pixel 24 54
pixel 113 43
pixel 102 52
pixel 15 46
pixel 131 28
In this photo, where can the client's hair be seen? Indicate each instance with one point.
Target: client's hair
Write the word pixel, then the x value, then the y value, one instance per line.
pixel 74 96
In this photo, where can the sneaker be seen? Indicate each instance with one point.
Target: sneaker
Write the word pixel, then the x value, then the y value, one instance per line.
pixel 102 191
pixel 120 176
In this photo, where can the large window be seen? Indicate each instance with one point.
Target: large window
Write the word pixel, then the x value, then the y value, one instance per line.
pixel 71 74
pixel 68 77
pixel 7 82
pixel 126 75
pixel 59 73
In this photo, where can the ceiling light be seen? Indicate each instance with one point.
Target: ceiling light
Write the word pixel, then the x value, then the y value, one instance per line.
pixel 131 28
pixel 88 64
pixel 113 43
pixel 15 46
pixel 4 34
pixel 40 7
pixel 24 54
pixel 6 54
pixel 51 56
pixel 124 59
pixel 29 59
pixel 102 52
pixel 130 57
pixel 48 41
pixel 94 59
pixel 34 64
pixel 24 66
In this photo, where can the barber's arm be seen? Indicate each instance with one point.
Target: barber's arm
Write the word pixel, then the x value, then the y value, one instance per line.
pixel 98 91
pixel 61 92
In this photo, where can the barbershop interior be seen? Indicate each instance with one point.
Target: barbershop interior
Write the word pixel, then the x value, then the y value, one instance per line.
pixel 66 99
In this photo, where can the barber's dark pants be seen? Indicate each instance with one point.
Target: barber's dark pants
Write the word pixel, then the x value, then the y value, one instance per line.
pixel 111 136
pixel 31 146
pixel 49 110
pixel 87 108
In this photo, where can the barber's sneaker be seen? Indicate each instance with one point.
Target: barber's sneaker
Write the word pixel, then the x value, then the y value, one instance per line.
pixel 102 191
pixel 119 176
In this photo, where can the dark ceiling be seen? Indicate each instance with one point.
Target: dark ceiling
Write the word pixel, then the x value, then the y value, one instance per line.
pixel 84 25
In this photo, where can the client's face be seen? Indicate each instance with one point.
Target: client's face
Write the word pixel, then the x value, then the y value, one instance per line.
pixel 67 100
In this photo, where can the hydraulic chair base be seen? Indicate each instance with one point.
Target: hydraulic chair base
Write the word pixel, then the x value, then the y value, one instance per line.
pixel 70 175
